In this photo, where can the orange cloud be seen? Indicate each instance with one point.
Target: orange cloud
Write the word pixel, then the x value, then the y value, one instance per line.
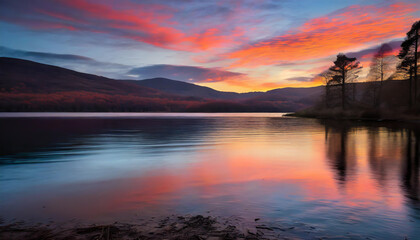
pixel 342 30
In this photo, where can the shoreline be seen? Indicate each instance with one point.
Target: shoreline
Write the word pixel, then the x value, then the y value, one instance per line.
pixel 170 227
pixel 177 227
pixel 356 115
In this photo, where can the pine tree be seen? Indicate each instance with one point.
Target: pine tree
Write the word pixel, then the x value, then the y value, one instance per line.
pixel 343 68
pixel 409 57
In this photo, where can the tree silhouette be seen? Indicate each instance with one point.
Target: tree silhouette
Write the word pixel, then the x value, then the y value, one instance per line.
pixel 327 77
pixel 409 55
pixel 344 71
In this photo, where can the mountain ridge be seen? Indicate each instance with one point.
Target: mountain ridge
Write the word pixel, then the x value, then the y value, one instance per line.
pixel 190 89
pixel 31 86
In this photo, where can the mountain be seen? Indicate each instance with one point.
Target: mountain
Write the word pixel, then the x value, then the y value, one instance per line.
pixel 25 76
pixel 188 89
pixel 296 93
pixel 32 86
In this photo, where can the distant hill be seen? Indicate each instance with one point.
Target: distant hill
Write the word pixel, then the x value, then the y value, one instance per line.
pixel 189 89
pixel 303 96
pixel 290 98
pixel 32 86
pixel 296 93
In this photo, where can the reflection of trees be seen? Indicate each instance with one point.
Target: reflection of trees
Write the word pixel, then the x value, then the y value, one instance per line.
pixel 410 167
pixel 340 151
pixel 390 153
pixel 384 153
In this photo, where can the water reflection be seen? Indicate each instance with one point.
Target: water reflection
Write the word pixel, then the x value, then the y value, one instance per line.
pixel 340 176
pixel 410 167
pixel 340 150
pixel 23 135
pixel 393 152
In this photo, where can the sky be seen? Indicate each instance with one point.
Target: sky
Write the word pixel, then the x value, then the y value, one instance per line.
pixel 229 45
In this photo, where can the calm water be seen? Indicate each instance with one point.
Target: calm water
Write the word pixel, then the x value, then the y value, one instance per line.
pixel 338 176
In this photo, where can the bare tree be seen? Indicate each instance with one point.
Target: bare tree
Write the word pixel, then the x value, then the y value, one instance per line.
pixel 380 70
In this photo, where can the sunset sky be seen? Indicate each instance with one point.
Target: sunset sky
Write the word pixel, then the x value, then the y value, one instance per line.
pixel 237 45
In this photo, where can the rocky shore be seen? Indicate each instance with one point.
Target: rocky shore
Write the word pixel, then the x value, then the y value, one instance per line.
pixel 196 227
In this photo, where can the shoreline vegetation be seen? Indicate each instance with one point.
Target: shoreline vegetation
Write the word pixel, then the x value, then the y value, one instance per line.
pixel 389 92
pixel 356 114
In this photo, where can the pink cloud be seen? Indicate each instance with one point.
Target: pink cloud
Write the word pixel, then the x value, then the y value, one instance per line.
pixel 148 23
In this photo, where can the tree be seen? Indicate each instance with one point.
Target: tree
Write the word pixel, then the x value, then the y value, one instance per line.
pixel 344 72
pixel 409 57
pixel 332 84
pixel 379 71
pixel 327 76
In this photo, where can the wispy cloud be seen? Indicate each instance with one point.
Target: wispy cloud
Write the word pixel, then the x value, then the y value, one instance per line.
pixel 185 73
pixel 369 52
pixel 299 79
pixel 71 61
pixel 8 52
pixel 146 22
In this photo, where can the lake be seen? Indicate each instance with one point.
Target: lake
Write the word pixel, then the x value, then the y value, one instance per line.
pixel 337 176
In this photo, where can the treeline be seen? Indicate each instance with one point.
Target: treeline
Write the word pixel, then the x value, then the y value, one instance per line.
pixel 81 101
pixel 391 84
